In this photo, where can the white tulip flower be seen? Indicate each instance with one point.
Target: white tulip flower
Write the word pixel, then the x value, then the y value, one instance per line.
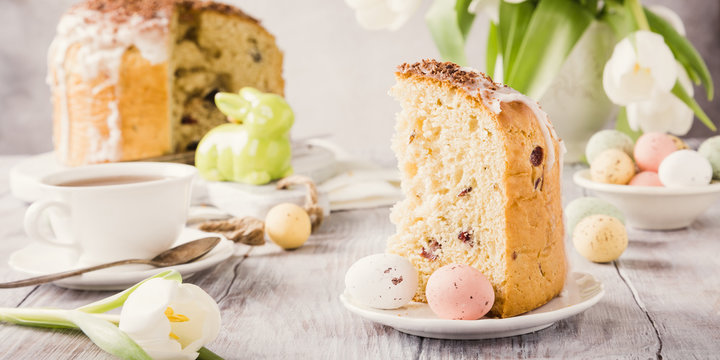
pixel 664 112
pixel 491 8
pixel 670 16
pixel 170 320
pixel 641 65
pixel 383 14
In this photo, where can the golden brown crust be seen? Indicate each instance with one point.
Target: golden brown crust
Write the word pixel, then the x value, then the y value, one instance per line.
pixel 142 135
pixel 452 73
pixel 535 248
pixel 90 110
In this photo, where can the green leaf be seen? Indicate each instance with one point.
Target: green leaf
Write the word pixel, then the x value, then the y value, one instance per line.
pixel 492 50
pixel 554 29
pixel 117 300
pixel 206 354
pixel 684 52
pixel 591 5
pixel 622 124
pixel 449 22
pixel 107 336
pixel 694 77
pixel 464 17
pixel 514 20
pixel 681 94
pixel 102 332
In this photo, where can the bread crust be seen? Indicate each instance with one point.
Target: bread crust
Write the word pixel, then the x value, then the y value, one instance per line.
pixel 535 248
pixel 90 112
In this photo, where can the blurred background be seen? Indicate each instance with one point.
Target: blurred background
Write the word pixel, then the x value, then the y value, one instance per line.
pixel 337 74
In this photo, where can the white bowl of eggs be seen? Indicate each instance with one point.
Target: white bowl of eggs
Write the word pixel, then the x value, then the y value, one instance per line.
pixel 658 183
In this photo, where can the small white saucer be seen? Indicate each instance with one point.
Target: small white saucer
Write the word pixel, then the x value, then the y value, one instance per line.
pixel 580 293
pixel 41 259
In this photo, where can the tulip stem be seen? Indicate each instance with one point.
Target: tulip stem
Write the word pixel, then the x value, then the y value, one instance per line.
pixel 205 354
pixel 36 317
pixel 46 317
pixel 638 14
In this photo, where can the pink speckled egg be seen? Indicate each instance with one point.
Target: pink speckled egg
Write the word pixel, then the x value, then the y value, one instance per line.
pixel 459 292
pixel 645 178
pixel 651 149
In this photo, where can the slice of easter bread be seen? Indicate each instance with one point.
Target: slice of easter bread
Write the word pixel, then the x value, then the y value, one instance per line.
pixel 481 168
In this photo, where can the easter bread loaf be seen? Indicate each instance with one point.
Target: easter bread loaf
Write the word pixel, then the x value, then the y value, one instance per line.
pixel 480 168
pixel 133 79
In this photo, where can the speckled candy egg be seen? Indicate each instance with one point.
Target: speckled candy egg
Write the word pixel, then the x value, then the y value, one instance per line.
pixel 710 149
pixel 459 292
pixel 382 281
pixel 679 143
pixel 581 208
pixel 288 225
pixel 608 139
pixel 651 149
pixel 612 166
pixel 645 178
pixel 600 238
pixel 685 168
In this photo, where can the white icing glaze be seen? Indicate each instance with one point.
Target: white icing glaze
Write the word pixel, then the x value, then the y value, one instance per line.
pixel 494 94
pixel 222 140
pixel 101 41
pixel 101 148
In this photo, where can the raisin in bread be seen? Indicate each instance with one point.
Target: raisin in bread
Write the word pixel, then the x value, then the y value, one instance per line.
pixel 481 169
pixel 133 79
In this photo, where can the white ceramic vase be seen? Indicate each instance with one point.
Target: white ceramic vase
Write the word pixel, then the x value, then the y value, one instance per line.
pixel 576 101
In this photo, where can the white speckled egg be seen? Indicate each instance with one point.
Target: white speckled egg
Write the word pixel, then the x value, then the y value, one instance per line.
pixel 382 281
pixel 600 238
pixel 685 168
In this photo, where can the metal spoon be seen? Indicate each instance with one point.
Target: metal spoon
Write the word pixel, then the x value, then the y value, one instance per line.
pixel 180 254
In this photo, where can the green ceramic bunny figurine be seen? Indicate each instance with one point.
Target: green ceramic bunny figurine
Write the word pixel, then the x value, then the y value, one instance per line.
pixel 255 147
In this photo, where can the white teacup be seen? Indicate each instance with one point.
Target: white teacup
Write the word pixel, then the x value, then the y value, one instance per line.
pixel 114 211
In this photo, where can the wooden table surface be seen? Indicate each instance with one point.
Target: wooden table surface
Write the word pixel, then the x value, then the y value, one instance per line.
pixel 662 299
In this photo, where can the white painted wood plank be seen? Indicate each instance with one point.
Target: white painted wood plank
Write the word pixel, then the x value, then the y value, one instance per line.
pixel 676 277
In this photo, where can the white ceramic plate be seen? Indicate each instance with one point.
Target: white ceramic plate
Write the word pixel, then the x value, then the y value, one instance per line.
pixel 580 293
pixel 40 259
pixel 654 207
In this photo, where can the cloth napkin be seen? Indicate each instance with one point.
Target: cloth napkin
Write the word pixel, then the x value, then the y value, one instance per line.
pixel 344 183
